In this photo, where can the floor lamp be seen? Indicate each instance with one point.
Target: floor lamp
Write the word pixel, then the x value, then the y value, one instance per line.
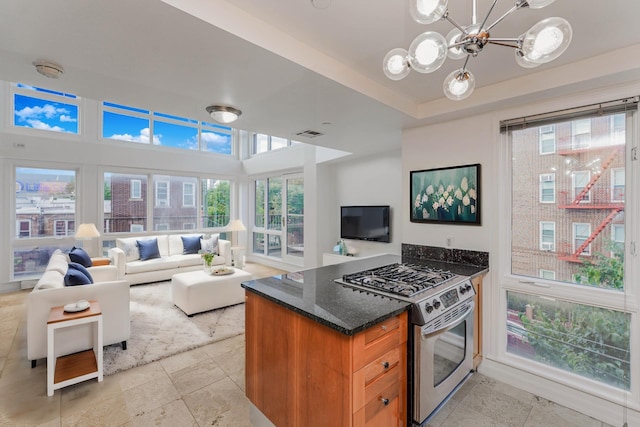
pixel 88 232
pixel 237 251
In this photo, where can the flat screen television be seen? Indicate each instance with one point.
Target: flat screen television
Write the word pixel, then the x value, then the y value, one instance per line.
pixel 365 223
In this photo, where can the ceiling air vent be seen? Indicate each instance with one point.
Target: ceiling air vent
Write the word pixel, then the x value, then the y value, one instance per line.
pixel 309 133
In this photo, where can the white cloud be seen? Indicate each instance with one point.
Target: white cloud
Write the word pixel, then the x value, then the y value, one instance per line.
pixel 65 118
pixel 37 124
pixel 214 139
pixel 143 137
pixel 48 111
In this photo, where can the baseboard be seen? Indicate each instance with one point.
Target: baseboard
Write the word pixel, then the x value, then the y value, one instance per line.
pixel 611 413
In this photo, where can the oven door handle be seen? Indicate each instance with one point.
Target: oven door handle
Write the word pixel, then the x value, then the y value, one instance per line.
pixel 452 324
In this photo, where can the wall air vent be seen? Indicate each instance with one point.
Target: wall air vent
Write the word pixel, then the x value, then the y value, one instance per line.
pixel 309 133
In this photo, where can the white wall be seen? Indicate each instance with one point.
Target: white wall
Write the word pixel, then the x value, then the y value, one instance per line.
pixel 373 180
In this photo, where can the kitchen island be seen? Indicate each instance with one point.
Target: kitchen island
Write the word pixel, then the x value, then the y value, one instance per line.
pixel 319 353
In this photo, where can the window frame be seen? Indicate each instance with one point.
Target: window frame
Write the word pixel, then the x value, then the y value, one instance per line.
pixel 542 241
pixel 166 200
pixel 587 197
pixel 553 189
pixel 135 189
pixel 613 184
pixel 574 238
pixel 192 195
pixel 543 140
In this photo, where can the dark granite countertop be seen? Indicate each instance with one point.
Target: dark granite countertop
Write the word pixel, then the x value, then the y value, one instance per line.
pixel 315 294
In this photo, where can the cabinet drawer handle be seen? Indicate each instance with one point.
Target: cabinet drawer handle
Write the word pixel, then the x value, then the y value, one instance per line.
pixel 384 327
pixel 385 365
pixel 384 401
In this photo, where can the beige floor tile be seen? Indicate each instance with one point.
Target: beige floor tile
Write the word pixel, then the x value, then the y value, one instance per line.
pixel 221 404
pixel 233 344
pixel 521 395
pixel 107 412
pixel 196 376
pixel 233 365
pixel 469 417
pixel 88 394
pixel 141 375
pixel 497 406
pixel 150 395
pixel 549 414
pixel 183 360
pixel 26 402
pixel 171 414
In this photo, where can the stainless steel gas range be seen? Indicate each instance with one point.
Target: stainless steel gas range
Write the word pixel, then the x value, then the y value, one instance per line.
pixel 442 319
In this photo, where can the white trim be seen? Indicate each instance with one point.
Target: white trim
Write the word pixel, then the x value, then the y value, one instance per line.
pixel 542 244
pixel 574 236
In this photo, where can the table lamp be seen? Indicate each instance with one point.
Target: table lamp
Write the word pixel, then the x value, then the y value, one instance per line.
pixel 236 225
pixel 87 232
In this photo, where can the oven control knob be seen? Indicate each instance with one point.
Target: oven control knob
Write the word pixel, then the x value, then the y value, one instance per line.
pixel 436 304
pixel 428 307
pixel 468 287
pixel 463 290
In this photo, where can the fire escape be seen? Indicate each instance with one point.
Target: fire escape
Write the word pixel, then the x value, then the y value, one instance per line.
pixel 599 204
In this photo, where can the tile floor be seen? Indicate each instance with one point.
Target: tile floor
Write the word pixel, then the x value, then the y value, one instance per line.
pixel 205 387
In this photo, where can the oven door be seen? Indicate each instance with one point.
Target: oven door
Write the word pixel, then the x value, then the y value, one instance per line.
pixel 442 360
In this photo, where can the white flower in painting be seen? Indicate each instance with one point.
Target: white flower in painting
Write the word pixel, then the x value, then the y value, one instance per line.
pixel 450 188
pixel 473 209
pixel 425 214
pixel 464 184
pixel 472 193
pixel 458 194
pixel 450 201
pixel 446 195
pixel 429 190
pixel 435 206
pixel 417 203
pixel 465 200
pixel 425 198
pixel 441 189
pixel 459 209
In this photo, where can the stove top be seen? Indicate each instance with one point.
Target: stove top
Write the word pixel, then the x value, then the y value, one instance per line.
pixel 432 292
pixel 405 280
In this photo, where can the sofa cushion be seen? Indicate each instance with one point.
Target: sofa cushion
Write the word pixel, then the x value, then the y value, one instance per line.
pixel 148 249
pixel 210 244
pixel 80 256
pixel 50 279
pixel 191 244
pixel 75 277
pixel 82 269
pixel 59 262
pixel 129 247
pixel 155 264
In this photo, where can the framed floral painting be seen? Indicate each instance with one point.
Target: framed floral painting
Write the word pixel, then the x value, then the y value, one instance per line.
pixel 446 195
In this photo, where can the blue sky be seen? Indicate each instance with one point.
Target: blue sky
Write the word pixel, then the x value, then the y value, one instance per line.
pixel 55 116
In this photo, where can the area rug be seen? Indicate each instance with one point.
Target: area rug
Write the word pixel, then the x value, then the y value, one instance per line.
pixel 160 329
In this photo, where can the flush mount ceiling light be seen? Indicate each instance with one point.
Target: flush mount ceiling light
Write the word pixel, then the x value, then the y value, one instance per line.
pixel 223 113
pixel 542 43
pixel 49 69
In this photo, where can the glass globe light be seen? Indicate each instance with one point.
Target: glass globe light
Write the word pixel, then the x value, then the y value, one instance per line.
pixel 452 38
pixel 539 4
pixel 459 84
pixel 396 64
pixel 524 62
pixel 427 11
pixel 546 40
pixel 428 52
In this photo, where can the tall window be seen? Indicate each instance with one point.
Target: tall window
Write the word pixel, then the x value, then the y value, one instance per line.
pixel 577 321
pixel 136 189
pixel 216 202
pixel 548 188
pixel 162 193
pixel 547 236
pixel 188 194
pixel 262 143
pixel 125 202
pixel 547 139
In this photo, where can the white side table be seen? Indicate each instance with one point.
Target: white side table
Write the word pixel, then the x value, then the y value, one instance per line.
pixel 237 254
pixel 70 369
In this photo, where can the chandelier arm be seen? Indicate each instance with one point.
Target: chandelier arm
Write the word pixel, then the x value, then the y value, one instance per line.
pixel 464 67
pixel 489 13
pixel 500 43
pixel 455 24
pixel 509 12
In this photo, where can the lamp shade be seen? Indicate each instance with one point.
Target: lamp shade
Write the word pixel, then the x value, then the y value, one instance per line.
pixel 546 40
pixel 237 225
pixel 87 231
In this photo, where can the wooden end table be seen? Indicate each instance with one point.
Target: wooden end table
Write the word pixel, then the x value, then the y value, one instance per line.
pixel 73 368
pixel 100 261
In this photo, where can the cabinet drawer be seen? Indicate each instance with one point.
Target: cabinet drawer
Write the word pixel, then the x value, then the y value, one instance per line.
pixel 379 366
pixel 382 410
pixel 378 340
pixel 365 392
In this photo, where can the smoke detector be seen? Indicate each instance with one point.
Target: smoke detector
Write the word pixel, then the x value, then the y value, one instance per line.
pixel 49 69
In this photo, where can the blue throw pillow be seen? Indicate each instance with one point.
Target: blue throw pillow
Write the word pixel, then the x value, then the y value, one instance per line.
pixel 80 267
pixel 191 244
pixel 75 277
pixel 80 256
pixel 148 249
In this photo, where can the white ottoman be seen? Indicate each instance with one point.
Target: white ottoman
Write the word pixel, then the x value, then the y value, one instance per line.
pixel 197 291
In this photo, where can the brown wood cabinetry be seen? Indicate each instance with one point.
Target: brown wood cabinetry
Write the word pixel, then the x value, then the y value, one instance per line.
pixel 477 322
pixel 302 373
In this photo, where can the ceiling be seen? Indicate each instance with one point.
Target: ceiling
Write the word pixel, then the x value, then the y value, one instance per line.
pixel 291 67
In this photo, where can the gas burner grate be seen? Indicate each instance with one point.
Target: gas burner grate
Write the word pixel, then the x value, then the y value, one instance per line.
pixel 402 279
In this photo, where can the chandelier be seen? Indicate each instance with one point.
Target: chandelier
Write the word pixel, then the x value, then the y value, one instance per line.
pixel 542 43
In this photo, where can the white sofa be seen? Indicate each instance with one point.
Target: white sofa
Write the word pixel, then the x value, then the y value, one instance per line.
pixel 126 258
pixel 50 291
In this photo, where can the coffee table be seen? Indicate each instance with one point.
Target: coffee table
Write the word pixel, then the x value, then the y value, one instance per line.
pixel 197 291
